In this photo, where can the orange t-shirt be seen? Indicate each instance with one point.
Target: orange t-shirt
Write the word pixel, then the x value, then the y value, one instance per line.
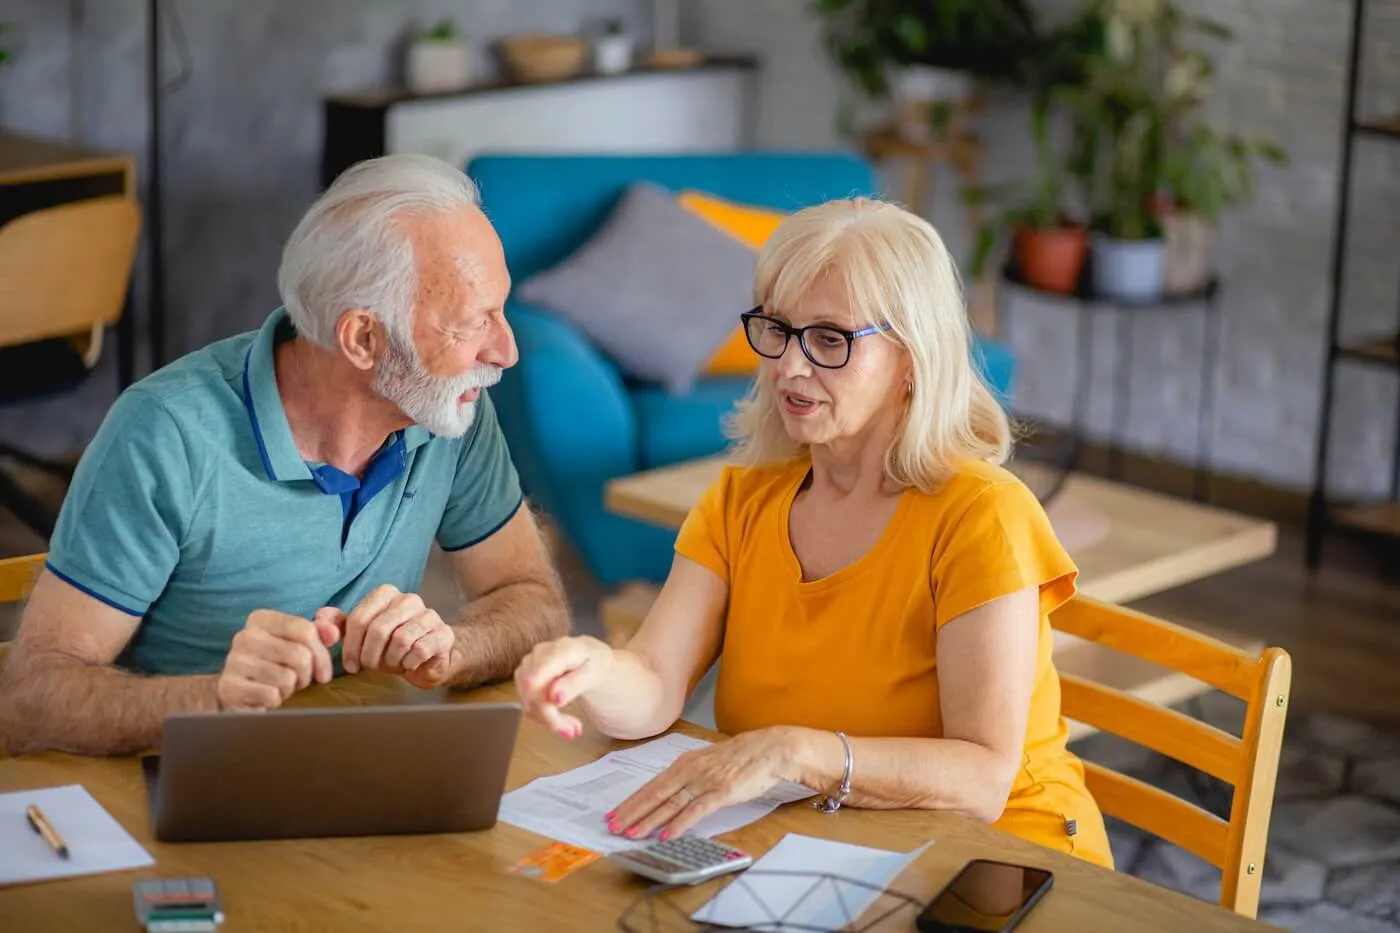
pixel 857 651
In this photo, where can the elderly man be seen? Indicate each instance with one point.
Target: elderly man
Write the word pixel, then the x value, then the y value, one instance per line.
pixel 263 508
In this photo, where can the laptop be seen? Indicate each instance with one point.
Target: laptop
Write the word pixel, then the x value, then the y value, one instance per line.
pixel 332 771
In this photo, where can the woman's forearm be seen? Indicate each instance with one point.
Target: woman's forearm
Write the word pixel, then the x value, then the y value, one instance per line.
pixel 933 774
pixel 632 702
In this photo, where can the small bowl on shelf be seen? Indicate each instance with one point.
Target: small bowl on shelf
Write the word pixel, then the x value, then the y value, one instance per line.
pixel 542 56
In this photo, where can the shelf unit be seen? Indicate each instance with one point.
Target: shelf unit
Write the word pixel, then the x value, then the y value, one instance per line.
pixel 1382 352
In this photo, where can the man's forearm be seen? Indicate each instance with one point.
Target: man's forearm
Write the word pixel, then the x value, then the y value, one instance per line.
pixel 71 706
pixel 498 629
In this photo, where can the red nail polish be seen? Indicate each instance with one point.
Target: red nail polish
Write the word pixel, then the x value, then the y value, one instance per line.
pixel 557 698
pixel 632 833
pixel 610 814
pixel 614 826
pixel 665 834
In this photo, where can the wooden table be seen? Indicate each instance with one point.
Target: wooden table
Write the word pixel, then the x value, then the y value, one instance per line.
pixel 1152 543
pixel 459 881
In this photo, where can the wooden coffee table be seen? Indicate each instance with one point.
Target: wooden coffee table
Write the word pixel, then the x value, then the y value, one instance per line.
pixel 1128 543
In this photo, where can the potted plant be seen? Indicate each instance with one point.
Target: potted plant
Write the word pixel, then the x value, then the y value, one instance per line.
pixel 1204 172
pixel 1119 118
pixel 438 61
pixel 612 50
pixel 924 54
pixel 1048 246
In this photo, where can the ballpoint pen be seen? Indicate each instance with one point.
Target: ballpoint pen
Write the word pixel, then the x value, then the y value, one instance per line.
pixel 42 827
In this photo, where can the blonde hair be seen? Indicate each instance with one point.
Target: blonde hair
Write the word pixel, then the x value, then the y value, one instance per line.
pixel 897 271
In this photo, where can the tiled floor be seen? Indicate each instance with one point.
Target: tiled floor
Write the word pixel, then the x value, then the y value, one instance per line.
pixel 1333 861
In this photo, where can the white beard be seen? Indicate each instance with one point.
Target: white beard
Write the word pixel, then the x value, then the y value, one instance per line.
pixel 431 401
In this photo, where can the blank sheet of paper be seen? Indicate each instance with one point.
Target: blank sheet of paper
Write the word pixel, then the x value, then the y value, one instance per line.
pixel 799 898
pixel 96 842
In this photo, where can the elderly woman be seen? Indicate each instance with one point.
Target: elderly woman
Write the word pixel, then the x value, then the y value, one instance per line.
pixel 875 586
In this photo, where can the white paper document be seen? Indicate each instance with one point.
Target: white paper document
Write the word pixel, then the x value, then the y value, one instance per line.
pixel 571 807
pixel 96 842
pixel 795 896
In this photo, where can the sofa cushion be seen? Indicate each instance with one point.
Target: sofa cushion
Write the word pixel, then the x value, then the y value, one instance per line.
pixel 752 226
pixel 672 428
pixel 657 288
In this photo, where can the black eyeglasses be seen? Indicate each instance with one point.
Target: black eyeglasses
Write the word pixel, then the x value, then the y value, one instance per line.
pixel 825 346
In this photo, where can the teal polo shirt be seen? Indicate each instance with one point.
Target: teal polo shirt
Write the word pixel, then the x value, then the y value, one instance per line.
pixel 191 507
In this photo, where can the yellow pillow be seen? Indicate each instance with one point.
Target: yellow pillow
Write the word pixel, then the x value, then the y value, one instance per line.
pixel 751 226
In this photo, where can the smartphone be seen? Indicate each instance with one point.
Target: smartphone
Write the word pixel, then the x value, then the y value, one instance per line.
pixel 985 897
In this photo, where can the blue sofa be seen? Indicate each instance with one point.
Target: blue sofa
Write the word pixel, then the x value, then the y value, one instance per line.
pixel 572 419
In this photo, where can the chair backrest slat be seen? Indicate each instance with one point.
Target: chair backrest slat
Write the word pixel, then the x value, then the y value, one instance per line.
pixel 65 268
pixel 1198 744
pixel 17 576
pixel 1158 812
pixel 1249 763
pixel 1221 665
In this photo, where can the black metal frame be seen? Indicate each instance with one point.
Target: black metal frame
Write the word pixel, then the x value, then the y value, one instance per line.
pixel 1379 352
pixel 1088 303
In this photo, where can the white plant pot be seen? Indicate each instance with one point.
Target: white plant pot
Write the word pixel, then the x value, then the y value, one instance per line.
pixel 437 65
pixel 1128 270
pixel 916 89
pixel 612 54
pixel 1190 252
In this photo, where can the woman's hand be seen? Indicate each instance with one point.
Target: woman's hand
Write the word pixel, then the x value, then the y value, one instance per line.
pixel 555 674
pixel 734 771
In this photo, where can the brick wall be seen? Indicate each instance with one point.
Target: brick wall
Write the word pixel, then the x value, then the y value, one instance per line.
pixel 1284 77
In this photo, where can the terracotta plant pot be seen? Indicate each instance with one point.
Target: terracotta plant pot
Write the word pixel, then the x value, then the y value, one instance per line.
pixel 1051 260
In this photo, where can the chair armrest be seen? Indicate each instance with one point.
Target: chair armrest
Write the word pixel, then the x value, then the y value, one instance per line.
pixel 566 415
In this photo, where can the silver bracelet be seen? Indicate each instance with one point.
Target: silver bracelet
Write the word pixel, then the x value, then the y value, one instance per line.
pixel 830 804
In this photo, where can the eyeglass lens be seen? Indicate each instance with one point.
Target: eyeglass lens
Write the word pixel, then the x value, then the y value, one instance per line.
pixel 823 345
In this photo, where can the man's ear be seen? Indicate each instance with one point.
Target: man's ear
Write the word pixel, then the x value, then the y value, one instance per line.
pixel 360 337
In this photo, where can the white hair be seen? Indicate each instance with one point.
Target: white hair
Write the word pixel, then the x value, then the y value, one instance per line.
pixel 349 250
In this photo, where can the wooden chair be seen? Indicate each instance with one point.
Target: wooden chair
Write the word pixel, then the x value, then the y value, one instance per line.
pixel 17 576
pixel 1248 763
pixel 65 274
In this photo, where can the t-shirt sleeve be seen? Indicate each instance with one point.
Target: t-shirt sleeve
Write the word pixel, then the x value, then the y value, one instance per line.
pixel 703 537
pixel 1003 543
pixel 120 528
pixel 485 488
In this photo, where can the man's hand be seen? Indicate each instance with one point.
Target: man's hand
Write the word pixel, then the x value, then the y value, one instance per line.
pixel 274 656
pixel 394 633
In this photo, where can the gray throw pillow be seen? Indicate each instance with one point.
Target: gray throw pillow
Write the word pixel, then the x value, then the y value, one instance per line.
pixel 657 288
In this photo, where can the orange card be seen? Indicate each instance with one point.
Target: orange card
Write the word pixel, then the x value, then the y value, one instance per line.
pixel 554 861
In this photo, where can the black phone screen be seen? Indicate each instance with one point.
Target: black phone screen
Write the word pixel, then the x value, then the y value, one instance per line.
pixel 985 897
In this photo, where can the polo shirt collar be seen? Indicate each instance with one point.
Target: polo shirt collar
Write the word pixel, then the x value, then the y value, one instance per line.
pixel 280 457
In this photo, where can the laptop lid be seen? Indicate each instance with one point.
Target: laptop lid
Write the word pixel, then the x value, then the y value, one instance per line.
pixel 332 771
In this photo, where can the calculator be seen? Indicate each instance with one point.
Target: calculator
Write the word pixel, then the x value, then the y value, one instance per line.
pixel 683 860
pixel 178 905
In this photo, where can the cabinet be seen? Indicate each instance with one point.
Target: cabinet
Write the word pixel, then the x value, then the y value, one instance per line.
pixel 706 107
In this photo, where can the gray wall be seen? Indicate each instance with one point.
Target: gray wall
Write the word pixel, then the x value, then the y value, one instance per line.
pixel 1285 78
pixel 242 134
